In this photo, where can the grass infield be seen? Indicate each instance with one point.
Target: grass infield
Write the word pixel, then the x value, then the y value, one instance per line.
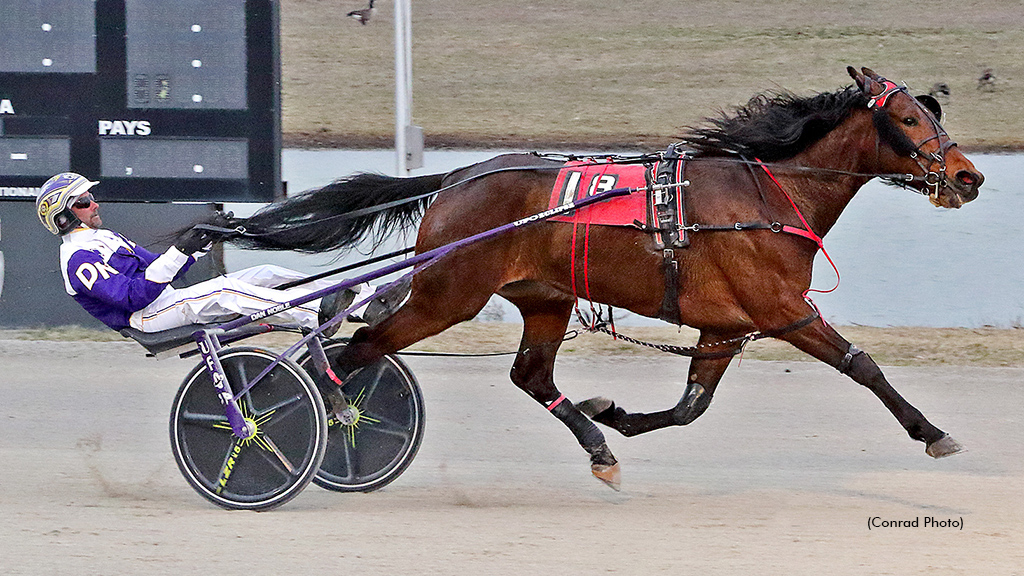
pixel 581 75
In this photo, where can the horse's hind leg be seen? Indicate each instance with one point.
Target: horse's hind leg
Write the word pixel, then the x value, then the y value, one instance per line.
pixel 701 382
pixel 825 344
pixel 544 323
pixel 426 313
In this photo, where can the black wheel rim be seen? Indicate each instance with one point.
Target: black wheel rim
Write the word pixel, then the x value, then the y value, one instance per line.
pixel 381 442
pixel 268 468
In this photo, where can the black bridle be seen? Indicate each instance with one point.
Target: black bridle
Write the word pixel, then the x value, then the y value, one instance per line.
pixel 932 180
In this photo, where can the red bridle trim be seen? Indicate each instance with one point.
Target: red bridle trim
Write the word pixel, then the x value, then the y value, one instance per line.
pixel 880 101
pixel 806 232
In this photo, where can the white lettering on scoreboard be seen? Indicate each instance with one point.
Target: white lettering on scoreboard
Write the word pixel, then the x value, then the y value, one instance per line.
pixel 124 128
pixel 18 192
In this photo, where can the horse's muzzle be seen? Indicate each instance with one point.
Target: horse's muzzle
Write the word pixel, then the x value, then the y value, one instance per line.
pixel 959 190
pixel 969 182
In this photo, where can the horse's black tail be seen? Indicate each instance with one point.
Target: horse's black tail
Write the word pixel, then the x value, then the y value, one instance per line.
pixel 341 214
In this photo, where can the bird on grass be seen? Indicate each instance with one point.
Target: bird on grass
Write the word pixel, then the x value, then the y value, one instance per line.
pixel 987 80
pixel 939 90
pixel 363 16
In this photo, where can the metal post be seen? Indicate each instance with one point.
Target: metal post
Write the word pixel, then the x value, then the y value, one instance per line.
pixel 402 112
pixel 408 138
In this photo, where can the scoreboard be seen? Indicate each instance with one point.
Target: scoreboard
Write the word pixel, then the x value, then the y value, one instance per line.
pixel 160 100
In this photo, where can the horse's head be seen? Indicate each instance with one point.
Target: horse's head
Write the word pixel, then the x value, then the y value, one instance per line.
pixel 912 141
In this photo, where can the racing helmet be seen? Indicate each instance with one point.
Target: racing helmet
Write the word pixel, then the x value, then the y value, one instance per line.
pixel 53 204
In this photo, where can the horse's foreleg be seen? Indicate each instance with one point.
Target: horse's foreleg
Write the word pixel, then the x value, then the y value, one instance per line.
pixel 701 382
pixel 825 344
pixel 533 372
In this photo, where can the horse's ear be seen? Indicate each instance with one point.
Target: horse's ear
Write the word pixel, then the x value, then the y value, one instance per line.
pixel 864 81
pixel 871 74
pixel 857 76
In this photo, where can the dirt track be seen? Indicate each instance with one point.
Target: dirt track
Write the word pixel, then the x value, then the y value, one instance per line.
pixel 781 476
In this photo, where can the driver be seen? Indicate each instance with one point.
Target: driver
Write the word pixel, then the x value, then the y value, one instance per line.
pixel 124 285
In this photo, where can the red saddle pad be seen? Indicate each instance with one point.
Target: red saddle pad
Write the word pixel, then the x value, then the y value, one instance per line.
pixel 579 179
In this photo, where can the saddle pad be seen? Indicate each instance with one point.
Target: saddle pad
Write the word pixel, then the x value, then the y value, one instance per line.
pixel 579 179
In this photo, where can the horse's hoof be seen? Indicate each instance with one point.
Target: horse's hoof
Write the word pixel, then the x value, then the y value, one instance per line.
pixel 610 475
pixel 594 406
pixel 943 447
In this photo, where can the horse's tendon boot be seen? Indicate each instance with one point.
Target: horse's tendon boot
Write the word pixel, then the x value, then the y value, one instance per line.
pixel 693 403
pixel 603 464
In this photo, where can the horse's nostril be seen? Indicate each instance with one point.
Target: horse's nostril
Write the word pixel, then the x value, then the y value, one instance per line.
pixel 969 179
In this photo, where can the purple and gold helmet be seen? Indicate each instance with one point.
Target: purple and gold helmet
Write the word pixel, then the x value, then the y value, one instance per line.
pixel 53 205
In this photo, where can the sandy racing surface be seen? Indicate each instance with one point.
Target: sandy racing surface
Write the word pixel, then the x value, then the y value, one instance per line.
pixel 781 476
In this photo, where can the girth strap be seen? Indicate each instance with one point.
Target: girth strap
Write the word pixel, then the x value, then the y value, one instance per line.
pixel 666 213
pixel 670 299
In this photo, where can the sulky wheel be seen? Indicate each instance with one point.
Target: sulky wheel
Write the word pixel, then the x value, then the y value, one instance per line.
pixel 375 440
pixel 278 461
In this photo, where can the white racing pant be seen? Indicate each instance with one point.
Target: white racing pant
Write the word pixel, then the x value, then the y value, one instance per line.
pixel 239 293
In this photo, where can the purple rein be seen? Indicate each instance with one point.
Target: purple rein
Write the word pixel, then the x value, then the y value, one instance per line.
pixel 423 260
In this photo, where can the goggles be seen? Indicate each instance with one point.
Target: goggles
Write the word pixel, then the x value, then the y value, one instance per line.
pixel 84 201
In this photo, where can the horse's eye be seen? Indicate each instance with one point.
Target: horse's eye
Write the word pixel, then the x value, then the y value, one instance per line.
pixel 910 121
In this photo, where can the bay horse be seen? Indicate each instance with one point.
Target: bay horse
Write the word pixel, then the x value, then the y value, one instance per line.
pixel 793 162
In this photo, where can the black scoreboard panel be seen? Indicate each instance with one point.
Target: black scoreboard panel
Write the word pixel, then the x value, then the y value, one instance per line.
pixel 161 100
pixel 27 157
pixel 153 158
pixel 51 36
pixel 187 54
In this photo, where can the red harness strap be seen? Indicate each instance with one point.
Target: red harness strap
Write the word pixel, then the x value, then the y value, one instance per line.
pixel 806 232
pixel 586 262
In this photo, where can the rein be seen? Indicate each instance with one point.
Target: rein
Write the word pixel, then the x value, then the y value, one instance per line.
pixel 901 180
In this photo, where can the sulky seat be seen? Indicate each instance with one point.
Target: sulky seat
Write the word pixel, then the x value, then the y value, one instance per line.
pixel 160 343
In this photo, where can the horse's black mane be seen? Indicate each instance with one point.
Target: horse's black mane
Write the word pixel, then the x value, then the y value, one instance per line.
pixel 775 125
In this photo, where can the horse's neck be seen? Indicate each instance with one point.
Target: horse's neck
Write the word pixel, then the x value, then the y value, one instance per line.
pixel 823 196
